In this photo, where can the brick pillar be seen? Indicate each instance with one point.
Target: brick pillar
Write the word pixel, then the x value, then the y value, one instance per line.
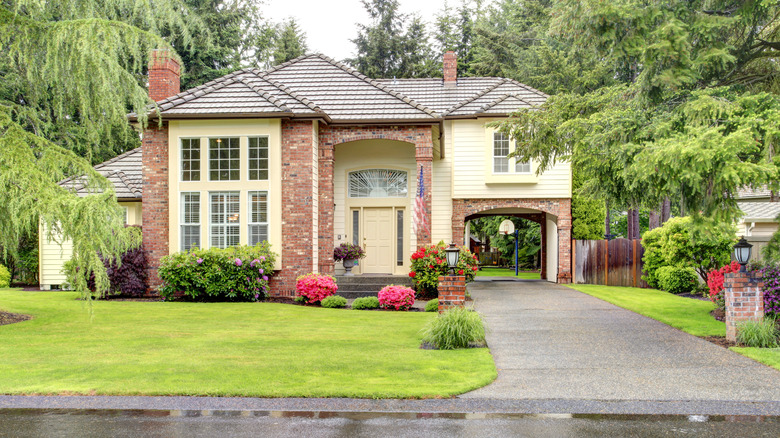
pixel 452 292
pixel 298 175
pixel 154 161
pixel 744 300
pixel 564 242
pixel 164 72
pixel 424 157
pixel 325 237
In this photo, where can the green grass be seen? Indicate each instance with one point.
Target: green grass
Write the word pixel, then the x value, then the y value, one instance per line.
pixel 688 315
pixel 506 272
pixel 225 349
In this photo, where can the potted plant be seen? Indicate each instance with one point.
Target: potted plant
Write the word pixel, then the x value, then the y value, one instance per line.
pixel 349 254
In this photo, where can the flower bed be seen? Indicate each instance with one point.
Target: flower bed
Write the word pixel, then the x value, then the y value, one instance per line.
pixel 313 287
pixel 430 262
pixel 396 297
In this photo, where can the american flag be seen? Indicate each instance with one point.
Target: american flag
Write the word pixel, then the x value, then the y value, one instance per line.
pixel 420 216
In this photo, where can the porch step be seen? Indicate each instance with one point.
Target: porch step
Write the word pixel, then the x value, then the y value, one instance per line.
pixel 356 286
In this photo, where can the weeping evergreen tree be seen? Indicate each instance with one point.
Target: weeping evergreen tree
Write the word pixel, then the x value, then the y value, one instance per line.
pixel 70 71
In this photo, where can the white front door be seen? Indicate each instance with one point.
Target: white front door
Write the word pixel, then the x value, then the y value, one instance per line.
pixel 378 239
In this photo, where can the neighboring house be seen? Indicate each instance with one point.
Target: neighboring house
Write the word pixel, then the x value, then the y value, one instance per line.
pixel 312 153
pixel 124 172
pixel 759 223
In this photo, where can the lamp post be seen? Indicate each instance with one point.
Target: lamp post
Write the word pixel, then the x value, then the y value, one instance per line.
pixel 742 253
pixel 453 254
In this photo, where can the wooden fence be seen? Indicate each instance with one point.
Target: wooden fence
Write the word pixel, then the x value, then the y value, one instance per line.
pixel 615 262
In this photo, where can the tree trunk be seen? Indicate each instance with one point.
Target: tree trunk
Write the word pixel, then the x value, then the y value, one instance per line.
pixel 654 221
pixel 606 221
pixel 636 224
pixel 666 210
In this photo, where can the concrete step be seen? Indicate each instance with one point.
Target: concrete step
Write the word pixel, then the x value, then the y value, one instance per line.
pixel 356 286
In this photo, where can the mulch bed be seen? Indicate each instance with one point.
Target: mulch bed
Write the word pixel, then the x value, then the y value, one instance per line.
pixel 719 314
pixel 10 318
pixel 721 341
pixel 695 297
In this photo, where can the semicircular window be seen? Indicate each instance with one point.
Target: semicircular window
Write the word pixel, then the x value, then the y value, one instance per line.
pixel 377 183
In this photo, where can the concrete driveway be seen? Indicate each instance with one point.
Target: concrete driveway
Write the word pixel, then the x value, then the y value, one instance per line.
pixel 552 342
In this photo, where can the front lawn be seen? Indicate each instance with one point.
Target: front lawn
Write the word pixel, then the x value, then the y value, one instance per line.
pixel 507 272
pixel 689 315
pixel 225 349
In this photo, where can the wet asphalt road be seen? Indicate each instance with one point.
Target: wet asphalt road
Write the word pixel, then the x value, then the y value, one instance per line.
pixel 87 424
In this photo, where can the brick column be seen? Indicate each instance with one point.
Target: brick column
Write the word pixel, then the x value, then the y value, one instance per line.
pixel 452 292
pixel 564 242
pixel 154 161
pixel 298 174
pixel 744 300
pixel 325 230
pixel 424 157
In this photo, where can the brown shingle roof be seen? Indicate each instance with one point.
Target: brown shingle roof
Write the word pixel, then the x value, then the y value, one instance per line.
pixel 123 171
pixel 317 86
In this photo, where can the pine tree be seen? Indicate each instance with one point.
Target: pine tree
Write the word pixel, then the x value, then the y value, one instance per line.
pixel 289 43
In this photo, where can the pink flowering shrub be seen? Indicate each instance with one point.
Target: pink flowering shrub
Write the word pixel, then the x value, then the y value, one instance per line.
pixel 396 297
pixel 315 287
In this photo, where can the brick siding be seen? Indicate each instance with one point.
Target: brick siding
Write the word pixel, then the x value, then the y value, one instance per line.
pixel 744 299
pixel 154 161
pixel 452 292
pixel 164 74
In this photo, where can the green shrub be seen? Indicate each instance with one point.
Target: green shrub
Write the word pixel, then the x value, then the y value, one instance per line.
pixel 430 262
pixel 365 303
pixel 457 327
pixel 334 302
pixel 432 305
pixel 5 277
pixel 679 242
pixel 677 280
pixel 238 273
pixel 761 334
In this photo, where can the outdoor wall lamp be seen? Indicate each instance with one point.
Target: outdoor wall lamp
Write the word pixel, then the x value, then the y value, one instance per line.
pixel 742 253
pixel 453 254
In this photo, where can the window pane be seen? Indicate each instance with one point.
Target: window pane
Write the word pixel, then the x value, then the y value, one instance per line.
pixel 400 239
pixel 258 158
pixel 258 217
pixel 378 183
pixel 190 220
pixel 223 159
pixel 224 216
pixel 190 159
pixel 500 151
pixel 355 227
pixel 521 167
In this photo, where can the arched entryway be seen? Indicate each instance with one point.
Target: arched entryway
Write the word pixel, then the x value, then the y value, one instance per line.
pixel 554 216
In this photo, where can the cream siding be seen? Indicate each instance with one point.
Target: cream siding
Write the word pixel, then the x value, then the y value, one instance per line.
pixel 472 161
pixel 552 249
pixel 53 252
pixel 441 192
pixel 205 129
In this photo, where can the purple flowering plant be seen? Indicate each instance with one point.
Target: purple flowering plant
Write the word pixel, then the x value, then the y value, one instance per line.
pixel 771 291
pixel 348 251
pixel 239 273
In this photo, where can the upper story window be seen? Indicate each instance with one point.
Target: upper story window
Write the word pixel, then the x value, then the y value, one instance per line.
pixel 258 158
pixel 190 159
pixel 378 183
pixel 224 161
pixel 502 163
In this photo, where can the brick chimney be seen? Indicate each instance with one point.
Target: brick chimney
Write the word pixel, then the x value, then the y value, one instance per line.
pixel 164 74
pixel 450 69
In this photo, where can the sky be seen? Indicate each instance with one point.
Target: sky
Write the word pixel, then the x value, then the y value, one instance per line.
pixel 330 24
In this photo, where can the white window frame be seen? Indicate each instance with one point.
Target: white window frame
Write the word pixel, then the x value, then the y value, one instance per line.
pixel 254 218
pixel 259 160
pixel 229 169
pixel 499 157
pixel 231 221
pixel 513 167
pixel 192 161
pixel 183 222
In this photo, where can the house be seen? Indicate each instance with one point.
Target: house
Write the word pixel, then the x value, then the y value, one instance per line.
pixel 759 222
pixel 311 153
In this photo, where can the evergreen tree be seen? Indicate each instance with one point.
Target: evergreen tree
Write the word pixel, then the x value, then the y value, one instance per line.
pixel 690 116
pixel 290 42
pixel 388 47
pixel 455 31
pixel 71 71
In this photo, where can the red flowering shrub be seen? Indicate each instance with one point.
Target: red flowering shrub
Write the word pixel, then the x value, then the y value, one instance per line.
pixel 315 287
pixel 430 262
pixel 715 283
pixel 396 297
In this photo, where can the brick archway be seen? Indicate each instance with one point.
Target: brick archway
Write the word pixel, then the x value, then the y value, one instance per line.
pixel 559 208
